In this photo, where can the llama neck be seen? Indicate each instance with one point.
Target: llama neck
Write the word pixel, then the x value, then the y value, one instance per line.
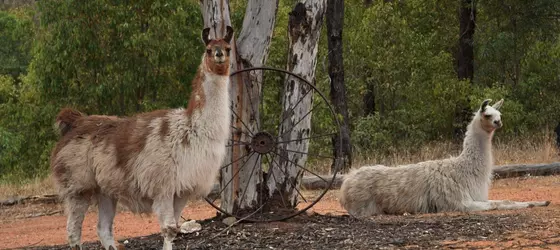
pixel 215 89
pixel 477 147
pixel 209 92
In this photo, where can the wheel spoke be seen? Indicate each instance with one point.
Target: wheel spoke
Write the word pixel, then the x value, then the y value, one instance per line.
pixel 297 103
pixel 236 160
pixel 236 143
pixel 261 179
pixel 303 153
pixel 313 173
pixel 307 138
pixel 242 122
pixel 293 185
pixel 261 105
pixel 244 132
pixel 240 130
pixel 300 120
pixel 242 142
pixel 250 99
pixel 233 177
pixel 273 177
pixel 249 180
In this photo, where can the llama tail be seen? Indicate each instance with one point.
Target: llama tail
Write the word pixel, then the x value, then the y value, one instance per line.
pixel 65 120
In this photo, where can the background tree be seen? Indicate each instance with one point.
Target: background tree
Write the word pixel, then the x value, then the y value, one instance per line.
pixel 465 60
pixel 251 50
pixel 304 29
pixel 342 146
pixel 399 56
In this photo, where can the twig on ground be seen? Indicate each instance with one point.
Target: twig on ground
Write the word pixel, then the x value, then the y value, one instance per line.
pixel 41 214
pixel 30 245
pixel 236 222
pixel 48 198
pixel 230 226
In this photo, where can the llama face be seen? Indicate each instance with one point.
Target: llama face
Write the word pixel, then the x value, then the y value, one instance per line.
pixel 218 51
pixel 217 54
pixel 490 116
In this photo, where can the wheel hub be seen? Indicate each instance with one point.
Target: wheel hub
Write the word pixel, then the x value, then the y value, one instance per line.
pixel 262 142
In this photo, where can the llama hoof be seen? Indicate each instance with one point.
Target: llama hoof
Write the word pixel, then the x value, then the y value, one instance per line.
pixel 539 204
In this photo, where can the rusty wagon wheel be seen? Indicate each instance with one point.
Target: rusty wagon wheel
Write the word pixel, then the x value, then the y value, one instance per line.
pixel 275 139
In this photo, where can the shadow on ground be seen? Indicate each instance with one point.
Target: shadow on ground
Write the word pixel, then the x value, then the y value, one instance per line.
pixel 344 232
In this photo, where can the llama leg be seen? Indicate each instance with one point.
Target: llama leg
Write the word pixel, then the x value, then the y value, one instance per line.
pixel 178 205
pixel 164 209
pixel 502 205
pixel 473 206
pixel 76 207
pixel 107 210
pixel 509 205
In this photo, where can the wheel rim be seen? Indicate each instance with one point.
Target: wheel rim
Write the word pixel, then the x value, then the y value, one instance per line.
pixel 267 147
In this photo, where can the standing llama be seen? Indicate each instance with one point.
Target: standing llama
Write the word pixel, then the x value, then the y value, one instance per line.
pixel 151 162
pixel 455 184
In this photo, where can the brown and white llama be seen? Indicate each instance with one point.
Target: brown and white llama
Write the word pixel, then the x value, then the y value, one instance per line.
pixel 150 162
pixel 458 183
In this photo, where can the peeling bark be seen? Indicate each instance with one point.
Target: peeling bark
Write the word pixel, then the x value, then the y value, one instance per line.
pixel 251 49
pixel 304 29
pixel 253 45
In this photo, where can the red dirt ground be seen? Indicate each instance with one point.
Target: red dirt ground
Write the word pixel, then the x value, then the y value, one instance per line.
pixel 18 230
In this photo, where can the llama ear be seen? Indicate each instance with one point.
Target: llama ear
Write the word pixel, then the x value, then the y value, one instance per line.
pixel 484 104
pixel 205 33
pixel 229 34
pixel 498 105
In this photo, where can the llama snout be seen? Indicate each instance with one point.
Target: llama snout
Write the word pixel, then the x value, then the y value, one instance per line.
pixel 498 123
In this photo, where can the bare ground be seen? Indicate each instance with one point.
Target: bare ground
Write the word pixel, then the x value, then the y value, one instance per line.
pixel 327 227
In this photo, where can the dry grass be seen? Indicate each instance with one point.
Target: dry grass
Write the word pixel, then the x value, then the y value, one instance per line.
pixel 537 149
pixel 33 187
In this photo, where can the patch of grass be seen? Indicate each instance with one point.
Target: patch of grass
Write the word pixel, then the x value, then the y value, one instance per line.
pixel 536 149
pixel 37 186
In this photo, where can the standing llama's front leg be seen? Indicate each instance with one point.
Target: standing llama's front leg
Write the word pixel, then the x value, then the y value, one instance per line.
pixel 164 209
pixel 107 209
pixel 179 203
pixel 76 207
pixel 503 205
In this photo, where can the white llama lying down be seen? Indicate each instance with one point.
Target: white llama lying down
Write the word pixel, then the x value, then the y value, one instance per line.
pixel 455 184
pixel 153 161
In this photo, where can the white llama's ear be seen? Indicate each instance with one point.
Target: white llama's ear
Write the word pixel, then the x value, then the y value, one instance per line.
pixel 229 34
pixel 498 105
pixel 205 33
pixel 484 104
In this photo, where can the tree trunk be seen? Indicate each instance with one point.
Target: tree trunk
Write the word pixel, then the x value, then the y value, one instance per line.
pixel 304 29
pixel 342 148
pixel 465 61
pixel 369 99
pixel 251 49
pixel 467 18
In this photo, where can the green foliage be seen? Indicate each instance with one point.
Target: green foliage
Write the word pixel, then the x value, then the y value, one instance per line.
pixel 404 52
pixel 117 58
pixel 16 35
pixel 101 57
pixel 111 57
